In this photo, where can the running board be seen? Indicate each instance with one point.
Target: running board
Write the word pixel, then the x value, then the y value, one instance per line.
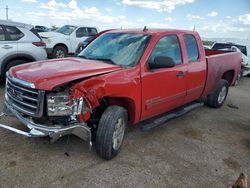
pixel 156 122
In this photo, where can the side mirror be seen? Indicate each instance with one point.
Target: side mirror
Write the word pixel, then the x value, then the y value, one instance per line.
pixel 161 62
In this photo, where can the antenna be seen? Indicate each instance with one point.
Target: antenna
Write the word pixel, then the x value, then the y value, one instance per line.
pixel 7 12
pixel 194 28
pixel 145 29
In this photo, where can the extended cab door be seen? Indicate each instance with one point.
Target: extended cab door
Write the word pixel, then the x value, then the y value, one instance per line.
pixel 163 89
pixel 196 75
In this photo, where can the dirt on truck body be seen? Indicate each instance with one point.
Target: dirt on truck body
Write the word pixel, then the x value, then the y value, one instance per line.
pixel 123 77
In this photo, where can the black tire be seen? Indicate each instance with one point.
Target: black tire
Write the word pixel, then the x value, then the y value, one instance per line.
pixel 59 52
pixel 214 100
pixel 13 63
pixel 111 117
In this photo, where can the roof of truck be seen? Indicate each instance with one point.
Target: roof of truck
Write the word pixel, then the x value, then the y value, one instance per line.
pixel 152 31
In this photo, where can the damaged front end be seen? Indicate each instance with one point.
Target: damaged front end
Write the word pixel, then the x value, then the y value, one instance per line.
pixel 52 114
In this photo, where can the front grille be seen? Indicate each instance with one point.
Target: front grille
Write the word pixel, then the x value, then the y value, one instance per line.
pixel 23 97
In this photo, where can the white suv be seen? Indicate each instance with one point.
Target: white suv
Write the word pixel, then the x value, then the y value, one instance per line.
pixel 65 40
pixel 19 43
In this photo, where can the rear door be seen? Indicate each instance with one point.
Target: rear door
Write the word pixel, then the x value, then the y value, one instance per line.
pixel 196 75
pixel 165 88
pixel 8 46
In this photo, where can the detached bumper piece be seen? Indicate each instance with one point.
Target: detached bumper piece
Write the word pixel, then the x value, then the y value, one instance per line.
pixel 37 130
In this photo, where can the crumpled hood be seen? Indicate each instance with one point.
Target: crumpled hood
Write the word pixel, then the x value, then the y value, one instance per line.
pixel 51 73
pixel 51 34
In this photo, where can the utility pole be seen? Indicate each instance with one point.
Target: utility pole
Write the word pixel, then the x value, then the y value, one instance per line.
pixel 7 12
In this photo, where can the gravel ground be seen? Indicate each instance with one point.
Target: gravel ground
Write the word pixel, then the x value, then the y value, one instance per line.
pixel 206 148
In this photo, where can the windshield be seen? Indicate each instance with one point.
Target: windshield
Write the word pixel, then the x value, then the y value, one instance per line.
pixel 124 49
pixel 66 30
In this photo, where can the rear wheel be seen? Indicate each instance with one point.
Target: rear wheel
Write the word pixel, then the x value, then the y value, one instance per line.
pixel 59 52
pixel 110 132
pixel 217 99
pixel 13 63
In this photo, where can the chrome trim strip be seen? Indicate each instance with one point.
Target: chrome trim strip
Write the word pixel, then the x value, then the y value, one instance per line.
pixel 21 82
pixel 22 103
pixel 82 130
pixel 16 86
pixel 39 99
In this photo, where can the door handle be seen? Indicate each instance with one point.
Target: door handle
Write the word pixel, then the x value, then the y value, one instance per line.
pixel 7 47
pixel 181 74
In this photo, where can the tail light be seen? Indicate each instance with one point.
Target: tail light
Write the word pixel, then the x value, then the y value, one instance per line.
pixel 39 44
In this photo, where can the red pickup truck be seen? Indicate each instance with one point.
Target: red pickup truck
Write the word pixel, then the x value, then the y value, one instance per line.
pixel 123 77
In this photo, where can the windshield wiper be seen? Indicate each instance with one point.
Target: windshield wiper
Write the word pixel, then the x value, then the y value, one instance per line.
pixel 103 59
pixel 83 56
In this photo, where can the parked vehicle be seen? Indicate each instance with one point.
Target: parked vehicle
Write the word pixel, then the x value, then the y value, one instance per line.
pixel 87 41
pixel 83 44
pixel 40 28
pixel 19 44
pixel 245 50
pixel 123 77
pixel 206 47
pixel 65 40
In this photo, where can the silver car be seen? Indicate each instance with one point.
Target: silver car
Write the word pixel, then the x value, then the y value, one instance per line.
pixel 19 44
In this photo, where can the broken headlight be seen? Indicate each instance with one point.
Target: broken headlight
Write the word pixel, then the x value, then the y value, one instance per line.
pixel 61 104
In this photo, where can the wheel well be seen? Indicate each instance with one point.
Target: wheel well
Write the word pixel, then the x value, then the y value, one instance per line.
pixel 124 102
pixel 229 76
pixel 63 45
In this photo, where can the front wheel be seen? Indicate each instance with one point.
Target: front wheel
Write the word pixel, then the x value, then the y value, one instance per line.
pixel 110 132
pixel 217 98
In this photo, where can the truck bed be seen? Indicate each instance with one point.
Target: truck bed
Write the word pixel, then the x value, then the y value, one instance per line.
pixel 220 65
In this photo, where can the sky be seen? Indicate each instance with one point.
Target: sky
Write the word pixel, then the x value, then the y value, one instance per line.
pixel 211 18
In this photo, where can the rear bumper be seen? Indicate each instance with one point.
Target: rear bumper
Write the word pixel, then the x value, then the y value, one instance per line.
pixel 49 51
pixel 37 130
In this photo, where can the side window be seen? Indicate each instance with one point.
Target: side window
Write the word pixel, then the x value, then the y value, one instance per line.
pixel 192 48
pixel 92 31
pixel 81 32
pixel 168 46
pixel 13 33
pixel 2 36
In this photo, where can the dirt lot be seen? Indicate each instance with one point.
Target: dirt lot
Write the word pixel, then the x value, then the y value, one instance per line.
pixel 206 148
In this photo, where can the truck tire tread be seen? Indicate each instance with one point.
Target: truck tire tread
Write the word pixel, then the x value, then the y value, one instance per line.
pixel 106 129
pixel 212 99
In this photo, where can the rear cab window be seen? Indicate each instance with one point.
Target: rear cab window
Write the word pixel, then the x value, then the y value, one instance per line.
pixel 191 47
pixel 168 46
pixel 13 33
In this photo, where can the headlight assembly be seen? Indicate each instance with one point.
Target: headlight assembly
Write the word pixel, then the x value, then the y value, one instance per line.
pixel 61 104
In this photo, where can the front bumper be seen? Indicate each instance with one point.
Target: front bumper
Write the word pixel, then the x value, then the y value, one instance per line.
pixel 37 130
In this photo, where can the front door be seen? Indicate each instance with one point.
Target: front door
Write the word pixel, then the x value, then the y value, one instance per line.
pixel 164 89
